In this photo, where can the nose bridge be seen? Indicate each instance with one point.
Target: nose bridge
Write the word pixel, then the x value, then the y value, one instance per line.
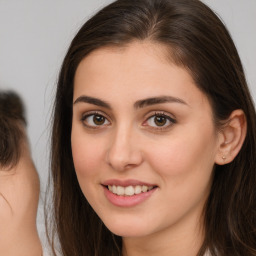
pixel 123 151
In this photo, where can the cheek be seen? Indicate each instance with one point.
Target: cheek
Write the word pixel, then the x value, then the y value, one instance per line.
pixel 190 154
pixel 84 158
pixel 185 166
pixel 86 154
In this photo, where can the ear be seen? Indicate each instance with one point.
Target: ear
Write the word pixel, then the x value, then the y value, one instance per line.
pixel 232 137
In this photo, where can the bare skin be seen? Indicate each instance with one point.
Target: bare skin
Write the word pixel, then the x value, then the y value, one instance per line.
pixel 19 195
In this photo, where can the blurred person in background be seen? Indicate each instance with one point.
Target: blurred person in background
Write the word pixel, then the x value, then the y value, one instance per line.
pixel 19 182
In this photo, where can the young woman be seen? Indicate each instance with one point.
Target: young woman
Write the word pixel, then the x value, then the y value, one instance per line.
pixel 19 182
pixel 153 137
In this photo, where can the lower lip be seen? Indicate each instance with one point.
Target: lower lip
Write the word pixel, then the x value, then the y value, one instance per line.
pixel 127 201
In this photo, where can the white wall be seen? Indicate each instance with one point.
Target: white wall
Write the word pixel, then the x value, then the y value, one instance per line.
pixel 35 34
pixel 240 18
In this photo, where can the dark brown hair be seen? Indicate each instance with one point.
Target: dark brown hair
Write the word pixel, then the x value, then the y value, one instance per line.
pixel 198 41
pixel 12 115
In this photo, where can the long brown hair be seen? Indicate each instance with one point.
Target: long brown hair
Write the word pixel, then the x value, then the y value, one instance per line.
pixel 199 42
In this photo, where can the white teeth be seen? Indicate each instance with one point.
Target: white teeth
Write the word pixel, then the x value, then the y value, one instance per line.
pixel 137 190
pixel 120 190
pixel 144 188
pixel 130 190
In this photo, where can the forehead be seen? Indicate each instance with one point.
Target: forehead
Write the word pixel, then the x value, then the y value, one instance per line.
pixel 139 69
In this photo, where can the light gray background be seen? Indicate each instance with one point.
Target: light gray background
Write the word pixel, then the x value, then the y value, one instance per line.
pixel 35 34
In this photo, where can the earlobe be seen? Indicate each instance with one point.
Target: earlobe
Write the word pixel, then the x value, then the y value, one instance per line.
pixel 232 135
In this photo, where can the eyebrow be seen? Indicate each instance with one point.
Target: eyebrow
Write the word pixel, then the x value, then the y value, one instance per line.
pixel 92 100
pixel 158 100
pixel 138 104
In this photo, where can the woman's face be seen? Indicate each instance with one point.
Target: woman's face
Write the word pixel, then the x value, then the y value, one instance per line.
pixel 143 140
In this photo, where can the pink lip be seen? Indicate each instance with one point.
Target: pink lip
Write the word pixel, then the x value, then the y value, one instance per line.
pixel 127 201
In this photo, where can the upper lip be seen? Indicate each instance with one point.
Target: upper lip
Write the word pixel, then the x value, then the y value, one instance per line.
pixel 126 183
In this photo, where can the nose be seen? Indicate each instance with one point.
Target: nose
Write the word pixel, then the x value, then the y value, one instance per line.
pixel 124 151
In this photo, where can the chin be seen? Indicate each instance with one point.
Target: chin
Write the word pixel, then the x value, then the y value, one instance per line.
pixel 127 228
pixel 128 232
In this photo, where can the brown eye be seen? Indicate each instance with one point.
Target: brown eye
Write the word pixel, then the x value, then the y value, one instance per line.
pixel 98 119
pixel 160 120
pixel 95 120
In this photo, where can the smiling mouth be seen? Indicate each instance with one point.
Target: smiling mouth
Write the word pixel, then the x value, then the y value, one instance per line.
pixel 129 190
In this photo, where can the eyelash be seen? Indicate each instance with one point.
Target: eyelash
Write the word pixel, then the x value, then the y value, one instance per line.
pixel 166 117
pixel 95 114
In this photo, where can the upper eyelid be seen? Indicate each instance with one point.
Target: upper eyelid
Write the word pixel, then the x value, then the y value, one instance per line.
pixel 164 113
pixel 95 112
